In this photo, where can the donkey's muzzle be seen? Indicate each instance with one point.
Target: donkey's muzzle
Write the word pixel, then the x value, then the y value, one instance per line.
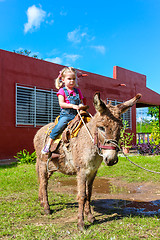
pixel 112 162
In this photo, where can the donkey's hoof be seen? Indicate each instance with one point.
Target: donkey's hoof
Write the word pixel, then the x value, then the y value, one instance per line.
pixel 80 227
pixel 91 218
pixel 47 211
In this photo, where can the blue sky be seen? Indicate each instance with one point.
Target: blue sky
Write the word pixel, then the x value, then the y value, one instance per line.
pixel 90 35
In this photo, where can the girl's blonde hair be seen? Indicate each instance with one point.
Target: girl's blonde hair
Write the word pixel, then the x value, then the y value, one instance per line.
pixel 58 80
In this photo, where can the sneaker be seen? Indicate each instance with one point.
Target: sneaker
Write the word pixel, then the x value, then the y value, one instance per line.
pixel 45 150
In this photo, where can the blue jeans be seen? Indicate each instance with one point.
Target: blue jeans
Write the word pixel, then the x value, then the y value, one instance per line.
pixel 66 115
pixel 64 119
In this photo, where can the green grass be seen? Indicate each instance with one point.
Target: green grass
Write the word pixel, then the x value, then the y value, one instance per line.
pixel 130 172
pixel 23 218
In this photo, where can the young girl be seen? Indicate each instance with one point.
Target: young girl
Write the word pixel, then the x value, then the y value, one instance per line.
pixel 70 99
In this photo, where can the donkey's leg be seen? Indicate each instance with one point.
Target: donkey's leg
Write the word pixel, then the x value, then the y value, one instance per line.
pixel 89 185
pixel 43 195
pixel 81 197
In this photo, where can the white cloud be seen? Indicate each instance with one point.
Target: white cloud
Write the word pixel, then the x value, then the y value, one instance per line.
pixel 63 13
pixel 76 35
pixel 20 48
pixel 100 49
pixel 66 59
pixel 57 60
pixel 50 21
pixel 53 52
pixel 35 17
pixel 71 57
pixel 83 34
pixel 36 53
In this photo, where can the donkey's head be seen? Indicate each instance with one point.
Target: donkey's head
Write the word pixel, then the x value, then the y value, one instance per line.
pixel 108 126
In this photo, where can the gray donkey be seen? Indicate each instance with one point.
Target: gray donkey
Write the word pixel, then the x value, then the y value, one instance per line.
pixel 96 142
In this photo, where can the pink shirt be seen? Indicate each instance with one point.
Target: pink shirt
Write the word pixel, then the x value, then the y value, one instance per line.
pixel 61 92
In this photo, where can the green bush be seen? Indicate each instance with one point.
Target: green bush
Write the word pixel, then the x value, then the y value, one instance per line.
pixel 25 157
pixel 155 135
pixel 126 138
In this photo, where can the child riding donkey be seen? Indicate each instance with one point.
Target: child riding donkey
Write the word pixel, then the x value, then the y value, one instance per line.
pixel 70 100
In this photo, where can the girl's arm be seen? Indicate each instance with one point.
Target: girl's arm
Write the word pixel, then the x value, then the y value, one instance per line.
pixel 63 104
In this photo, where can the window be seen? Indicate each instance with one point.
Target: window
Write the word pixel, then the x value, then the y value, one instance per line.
pixel 125 116
pixel 35 106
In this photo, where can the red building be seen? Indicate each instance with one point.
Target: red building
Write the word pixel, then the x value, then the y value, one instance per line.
pixel 28 97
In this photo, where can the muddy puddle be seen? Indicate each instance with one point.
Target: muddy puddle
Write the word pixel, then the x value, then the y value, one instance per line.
pixel 118 198
pixel 100 185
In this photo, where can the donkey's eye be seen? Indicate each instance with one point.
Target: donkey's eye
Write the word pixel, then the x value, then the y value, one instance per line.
pixel 102 129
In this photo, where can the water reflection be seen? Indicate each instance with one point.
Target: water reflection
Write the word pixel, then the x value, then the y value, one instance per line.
pixel 127 206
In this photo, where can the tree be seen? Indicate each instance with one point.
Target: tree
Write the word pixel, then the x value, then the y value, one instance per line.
pixel 144 126
pixel 155 135
pixel 25 52
pixel 153 112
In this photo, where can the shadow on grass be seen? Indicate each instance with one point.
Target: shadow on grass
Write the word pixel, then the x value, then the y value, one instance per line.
pixel 123 208
pixel 62 206
pixel 116 209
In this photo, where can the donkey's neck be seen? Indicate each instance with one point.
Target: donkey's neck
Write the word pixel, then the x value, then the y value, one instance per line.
pixel 88 131
pixel 91 125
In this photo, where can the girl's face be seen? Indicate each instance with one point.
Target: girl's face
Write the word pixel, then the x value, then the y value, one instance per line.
pixel 69 80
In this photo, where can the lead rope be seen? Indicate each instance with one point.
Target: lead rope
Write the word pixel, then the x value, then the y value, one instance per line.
pixel 86 126
pixel 133 162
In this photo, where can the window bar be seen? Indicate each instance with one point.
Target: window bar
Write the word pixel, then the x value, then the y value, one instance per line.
pixel 130 113
pixel 51 105
pixel 16 105
pixel 34 106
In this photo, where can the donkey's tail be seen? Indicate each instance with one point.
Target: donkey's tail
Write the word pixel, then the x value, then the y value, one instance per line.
pixel 37 168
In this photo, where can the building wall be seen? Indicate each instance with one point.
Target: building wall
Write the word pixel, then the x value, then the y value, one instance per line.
pixel 15 68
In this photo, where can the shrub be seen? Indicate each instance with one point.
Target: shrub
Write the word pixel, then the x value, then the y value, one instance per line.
pixel 155 135
pixel 25 157
pixel 126 138
pixel 147 148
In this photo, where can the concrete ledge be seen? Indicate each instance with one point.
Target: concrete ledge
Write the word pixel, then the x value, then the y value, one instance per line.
pixel 7 161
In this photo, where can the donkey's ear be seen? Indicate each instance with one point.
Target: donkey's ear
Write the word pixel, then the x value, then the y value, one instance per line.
pixel 98 103
pixel 123 107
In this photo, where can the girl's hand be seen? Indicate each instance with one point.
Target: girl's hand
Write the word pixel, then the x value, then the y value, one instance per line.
pixel 81 105
pixel 75 107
